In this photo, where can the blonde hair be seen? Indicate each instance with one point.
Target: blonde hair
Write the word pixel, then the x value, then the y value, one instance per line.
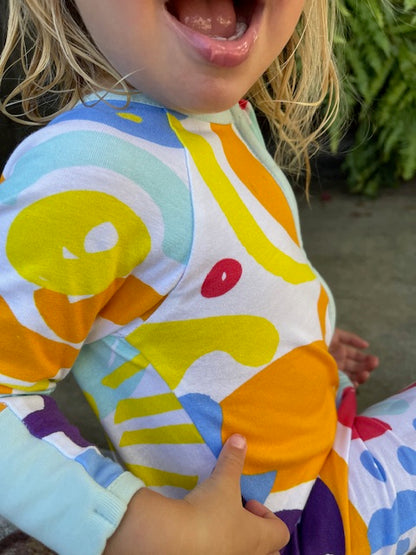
pixel 61 64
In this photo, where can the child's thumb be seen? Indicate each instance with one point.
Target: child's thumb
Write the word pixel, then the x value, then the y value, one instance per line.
pixel 230 462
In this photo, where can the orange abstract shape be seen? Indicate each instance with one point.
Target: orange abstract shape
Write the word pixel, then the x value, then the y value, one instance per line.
pixel 135 299
pixel 4 389
pixel 122 302
pixel 256 178
pixel 323 302
pixel 287 413
pixel 27 355
pixel 358 537
pixel 2 407
pixel 173 346
pixel 2 178
pixel 86 240
pixel 71 320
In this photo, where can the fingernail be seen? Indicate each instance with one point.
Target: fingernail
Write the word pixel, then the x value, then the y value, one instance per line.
pixel 238 441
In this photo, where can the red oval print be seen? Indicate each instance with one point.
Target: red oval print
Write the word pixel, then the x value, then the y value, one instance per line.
pixel 222 277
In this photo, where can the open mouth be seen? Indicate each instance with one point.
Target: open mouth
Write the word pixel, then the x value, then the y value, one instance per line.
pixel 226 20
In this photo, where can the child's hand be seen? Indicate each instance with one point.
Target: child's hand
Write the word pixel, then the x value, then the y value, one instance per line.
pixel 211 519
pixel 346 348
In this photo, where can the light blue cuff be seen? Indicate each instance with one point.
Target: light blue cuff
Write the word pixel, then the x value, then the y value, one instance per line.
pixel 53 498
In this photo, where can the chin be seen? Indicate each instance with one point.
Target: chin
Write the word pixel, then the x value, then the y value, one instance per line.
pixel 210 99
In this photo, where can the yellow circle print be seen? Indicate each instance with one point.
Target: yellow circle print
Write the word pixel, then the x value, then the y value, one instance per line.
pixel 77 242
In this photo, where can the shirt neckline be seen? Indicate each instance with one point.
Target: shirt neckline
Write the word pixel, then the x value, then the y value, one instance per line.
pixel 223 117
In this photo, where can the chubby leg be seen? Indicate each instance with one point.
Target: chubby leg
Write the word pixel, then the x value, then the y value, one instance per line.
pixel 382 473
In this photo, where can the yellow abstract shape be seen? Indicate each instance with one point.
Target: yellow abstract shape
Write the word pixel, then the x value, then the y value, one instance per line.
pixel 130 117
pixel 42 385
pixel 322 308
pixel 287 413
pixel 154 477
pixel 77 242
pixel 146 406
pixel 256 178
pixel 174 434
pixel 27 355
pixel 239 217
pixel 125 372
pixel 72 320
pixel 135 299
pixel 172 347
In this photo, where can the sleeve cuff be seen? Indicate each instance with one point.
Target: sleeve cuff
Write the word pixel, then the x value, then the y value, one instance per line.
pixel 53 498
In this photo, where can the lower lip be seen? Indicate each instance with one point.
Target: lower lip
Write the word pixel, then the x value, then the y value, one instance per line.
pixel 222 53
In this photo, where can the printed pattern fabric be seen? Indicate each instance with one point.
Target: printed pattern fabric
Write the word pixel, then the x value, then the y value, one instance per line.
pixel 158 257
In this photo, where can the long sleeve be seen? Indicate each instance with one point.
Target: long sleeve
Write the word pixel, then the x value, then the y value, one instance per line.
pixel 65 252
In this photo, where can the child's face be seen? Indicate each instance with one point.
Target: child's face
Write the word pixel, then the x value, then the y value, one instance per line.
pixel 170 50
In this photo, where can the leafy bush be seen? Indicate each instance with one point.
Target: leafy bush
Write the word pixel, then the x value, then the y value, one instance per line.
pixel 377 54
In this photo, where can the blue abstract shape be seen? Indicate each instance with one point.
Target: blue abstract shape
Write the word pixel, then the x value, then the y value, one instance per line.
pixel 388 407
pixel 407 458
pixel 154 125
pixel 414 423
pixel 373 466
pixel 403 547
pixel 102 469
pixel 257 486
pixel 206 414
pixel 388 525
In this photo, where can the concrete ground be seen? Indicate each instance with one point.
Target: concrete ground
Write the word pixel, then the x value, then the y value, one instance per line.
pixel 366 250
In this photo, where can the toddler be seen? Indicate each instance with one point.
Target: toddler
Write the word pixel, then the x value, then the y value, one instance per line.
pixel 151 245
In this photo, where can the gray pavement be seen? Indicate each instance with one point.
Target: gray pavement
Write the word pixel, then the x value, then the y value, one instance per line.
pixel 366 250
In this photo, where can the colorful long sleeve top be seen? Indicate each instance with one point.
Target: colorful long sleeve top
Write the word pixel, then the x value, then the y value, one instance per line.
pixel 158 257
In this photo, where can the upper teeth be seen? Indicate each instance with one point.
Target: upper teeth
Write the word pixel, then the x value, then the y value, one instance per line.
pixel 241 28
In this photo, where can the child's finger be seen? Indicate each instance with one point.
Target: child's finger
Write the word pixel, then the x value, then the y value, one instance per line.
pixel 230 463
pixel 275 529
pixel 259 509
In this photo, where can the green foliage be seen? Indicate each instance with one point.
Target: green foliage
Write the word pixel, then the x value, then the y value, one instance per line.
pixel 377 53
